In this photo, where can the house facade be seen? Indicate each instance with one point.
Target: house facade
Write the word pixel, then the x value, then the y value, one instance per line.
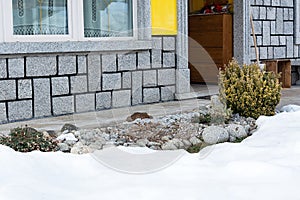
pixel 61 57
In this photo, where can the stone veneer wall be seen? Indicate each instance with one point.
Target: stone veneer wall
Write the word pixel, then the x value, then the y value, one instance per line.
pixel 274 28
pixel 38 85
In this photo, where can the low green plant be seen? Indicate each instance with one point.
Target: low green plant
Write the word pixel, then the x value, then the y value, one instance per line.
pixel 249 91
pixel 28 139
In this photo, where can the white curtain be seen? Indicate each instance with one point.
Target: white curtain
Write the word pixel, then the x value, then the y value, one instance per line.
pixel 108 18
pixel 40 17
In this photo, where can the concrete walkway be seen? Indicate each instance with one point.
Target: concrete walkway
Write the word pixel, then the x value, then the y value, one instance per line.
pixel 114 116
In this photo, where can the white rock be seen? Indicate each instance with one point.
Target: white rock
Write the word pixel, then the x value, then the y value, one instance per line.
pixel 215 134
pixel 79 148
pixel 142 142
pixel 169 146
pixel 63 147
pixel 67 137
pixel 195 141
pixel 237 131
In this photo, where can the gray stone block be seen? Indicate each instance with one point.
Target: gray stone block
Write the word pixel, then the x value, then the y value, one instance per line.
pixel 166 77
pixel 296 51
pixel 42 99
pixel 63 105
pixel 263 52
pixel 127 62
pixel 7 90
pixel 282 40
pixel 271 13
pixel 287 3
pixel 41 66
pixel 24 89
pixel 78 84
pixel 137 84
pixel 182 81
pixel 66 65
pixel 267 2
pixel 270 52
pixel 3 117
pixel 16 67
pixel 81 64
pixel 279 52
pixel 288 28
pixel 273 27
pixel 112 81
pixel 275 40
pixel 257 27
pixel 279 21
pixel 266 33
pixel 285 14
pixel 103 100
pixel 291 14
pixel 169 43
pixel 169 59
pixel 144 60
pixel 151 95
pixel 275 2
pixel 109 63
pixel 85 102
pixel 255 12
pixel 149 78
pixel 157 43
pixel 259 2
pixel 156 58
pixel 3 70
pixel 290 47
pixel 94 72
pixel 126 80
pixel 19 110
pixel 60 85
pixel 121 98
pixel 168 93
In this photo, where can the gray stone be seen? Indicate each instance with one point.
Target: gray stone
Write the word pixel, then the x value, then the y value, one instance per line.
pixel 111 81
pixel 78 84
pixel 7 90
pixel 215 134
pixel 66 65
pixel 149 78
pixel 85 102
pixel 109 63
pixel 288 27
pixel 279 52
pixel 290 47
pixel 81 64
pixel 271 13
pixel 41 66
pixel 3 70
pixel 168 146
pixel 137 90
pixel 126 80
pixel 60 85
pixel 237 131
pixel 287 3
pixel 182 81
pixel 167 93
pixel 291 14
pixel 169 59
pixel 262 13
pixel 156 58
pixel 263 52
pixel 270 53
pixel 169 43
pixel 97 145
pixel 63 105
pixel 121 98
pixel 151 95
pixel 266 33
pixel 103 100
pixel 63 147
pixel 195 141
pixel 275 2
pixel 186 143
pixel 279 21
pixel 144 60
pixel 142 142
pixel 24 89
pixel 285 14
pixel 42 99
pixel 255 12
pixel 282 40
pixel 79 148
pixel 15 67
pixel 166 77
pixel 69 128
pixel 274 40
pixel 126 62
pixel 157 42
pixel 19 110
pixel 94 72
pixel 3 118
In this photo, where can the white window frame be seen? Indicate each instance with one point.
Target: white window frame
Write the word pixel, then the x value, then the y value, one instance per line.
pixel 75 26
pixel 297 21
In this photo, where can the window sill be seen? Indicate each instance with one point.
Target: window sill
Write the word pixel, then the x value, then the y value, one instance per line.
pixel 72 47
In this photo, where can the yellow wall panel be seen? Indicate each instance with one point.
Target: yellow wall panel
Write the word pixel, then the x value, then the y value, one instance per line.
pixel 164 17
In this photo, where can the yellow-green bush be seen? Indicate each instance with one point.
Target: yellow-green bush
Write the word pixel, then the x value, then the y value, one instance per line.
pixel 249 91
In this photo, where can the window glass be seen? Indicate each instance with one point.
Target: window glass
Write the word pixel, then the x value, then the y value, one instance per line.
pixel 40 17
pixel 108 18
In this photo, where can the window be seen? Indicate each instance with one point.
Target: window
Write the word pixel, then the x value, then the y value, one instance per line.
pixel 297 21
pixel 67 20
pixel 40 17
pixel 108 18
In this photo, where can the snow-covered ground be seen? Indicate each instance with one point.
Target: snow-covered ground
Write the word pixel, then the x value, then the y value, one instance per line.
pixel 264 166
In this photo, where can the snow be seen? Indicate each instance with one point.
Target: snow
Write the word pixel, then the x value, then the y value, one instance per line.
pixel 264 166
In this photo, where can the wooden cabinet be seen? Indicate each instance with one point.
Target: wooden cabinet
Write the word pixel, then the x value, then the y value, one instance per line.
pixel 210 45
